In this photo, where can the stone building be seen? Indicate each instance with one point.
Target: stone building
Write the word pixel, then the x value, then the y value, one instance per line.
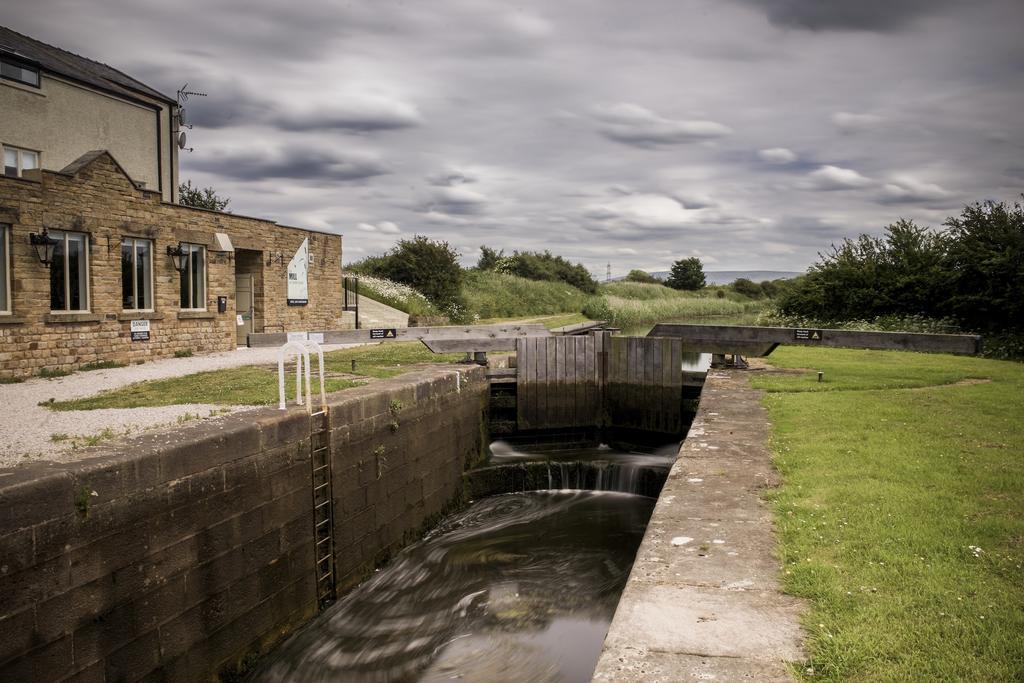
pixel 56 105
pixel 95 268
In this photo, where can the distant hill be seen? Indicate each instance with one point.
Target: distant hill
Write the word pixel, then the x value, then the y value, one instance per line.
pixel 724 277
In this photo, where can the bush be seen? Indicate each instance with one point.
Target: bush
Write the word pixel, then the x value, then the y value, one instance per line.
pixel 747 288
pixel 642 277
pixel 538 266
pixel 973 272
pixel 430 267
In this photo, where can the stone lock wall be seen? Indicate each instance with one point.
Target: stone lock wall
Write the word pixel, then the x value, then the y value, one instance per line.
pixel 96 197
pixel 185 555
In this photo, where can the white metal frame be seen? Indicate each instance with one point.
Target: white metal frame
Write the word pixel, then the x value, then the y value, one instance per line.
pixel 19 165
pixel 190 247
pixel 6 263
pixel 152 289
pixel 87 238
pixel 301 350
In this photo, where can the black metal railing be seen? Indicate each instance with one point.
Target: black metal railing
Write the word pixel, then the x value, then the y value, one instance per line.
pixel 350 288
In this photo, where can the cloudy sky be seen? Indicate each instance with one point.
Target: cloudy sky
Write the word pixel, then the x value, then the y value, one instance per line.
pixel 750 133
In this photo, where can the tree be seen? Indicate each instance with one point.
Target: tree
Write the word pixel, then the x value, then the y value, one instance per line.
pixel 642 276
pixel 427 266
pixel 205 198
pixel 686 274
pixel 489 258
pixel 900 273
pixel 984 267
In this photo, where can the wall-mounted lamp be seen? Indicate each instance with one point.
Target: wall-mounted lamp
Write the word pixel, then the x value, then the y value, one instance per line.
pixel 179 257
pixel 44 246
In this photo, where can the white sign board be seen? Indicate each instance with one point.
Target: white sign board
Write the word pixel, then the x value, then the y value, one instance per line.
pixel 298 276
pixel 317 337
pixel 297 336
pixel 140 330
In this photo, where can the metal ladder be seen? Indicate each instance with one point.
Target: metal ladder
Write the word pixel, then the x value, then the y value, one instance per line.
pixel 323 509
pixel 320 463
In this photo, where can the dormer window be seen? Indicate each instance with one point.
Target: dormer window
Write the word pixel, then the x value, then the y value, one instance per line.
pixel 18 71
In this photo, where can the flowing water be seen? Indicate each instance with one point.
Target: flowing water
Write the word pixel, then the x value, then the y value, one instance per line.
pixel 516 588
pixel 599 468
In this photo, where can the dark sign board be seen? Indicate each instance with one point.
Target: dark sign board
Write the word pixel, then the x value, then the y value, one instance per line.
pixel 807 335
pixel 298 302
pixel 384 333
pixel 222 304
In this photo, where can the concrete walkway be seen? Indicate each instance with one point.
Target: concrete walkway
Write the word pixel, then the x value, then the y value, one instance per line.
pixel 29 430
pixel 375 314
pixel 703 600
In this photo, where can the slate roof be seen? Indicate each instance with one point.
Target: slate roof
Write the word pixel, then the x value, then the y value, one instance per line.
pixel 76 67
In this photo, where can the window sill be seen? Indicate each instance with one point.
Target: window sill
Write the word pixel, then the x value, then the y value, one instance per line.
pixel 139 315
pixel 196 315
pixel 11 320
pixel 72 318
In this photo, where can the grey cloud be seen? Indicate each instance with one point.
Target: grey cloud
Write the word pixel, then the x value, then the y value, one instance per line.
pixel 455 91
pixel 450 179
pixel 454 201
pixel 295 163
pixel 913 191
pixel 634 125
pixel 359 114
pixel 851 123
pixel 830 178
pixel 848 15
pixel 777 155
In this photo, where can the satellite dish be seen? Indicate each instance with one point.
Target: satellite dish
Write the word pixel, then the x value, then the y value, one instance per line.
pixel 181 139
pixel 182 121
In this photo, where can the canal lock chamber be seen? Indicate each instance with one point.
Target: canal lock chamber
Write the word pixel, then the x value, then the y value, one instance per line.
pixel 521 584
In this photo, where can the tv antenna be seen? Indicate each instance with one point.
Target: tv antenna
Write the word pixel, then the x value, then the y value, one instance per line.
pixel 183 94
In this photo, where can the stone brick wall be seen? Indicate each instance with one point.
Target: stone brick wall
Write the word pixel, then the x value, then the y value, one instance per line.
pixel 96 197
pixel 181 555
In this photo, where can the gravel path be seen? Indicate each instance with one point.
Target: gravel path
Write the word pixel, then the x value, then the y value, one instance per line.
pixel 31 432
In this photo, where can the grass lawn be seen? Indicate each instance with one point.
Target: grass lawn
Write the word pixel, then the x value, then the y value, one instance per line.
pixel 902 512
pixel 257 385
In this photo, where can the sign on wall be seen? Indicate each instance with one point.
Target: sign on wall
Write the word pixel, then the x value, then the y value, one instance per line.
pixel 384 333
pixel 807 335
pixel 298 276
pixel 140 330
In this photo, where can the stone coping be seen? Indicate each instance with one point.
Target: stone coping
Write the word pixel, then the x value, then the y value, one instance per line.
pixel 703 600
pixel 120 467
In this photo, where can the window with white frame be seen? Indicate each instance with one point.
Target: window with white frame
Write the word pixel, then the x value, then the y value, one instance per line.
pixel 18 160
pixel 69 272
pixel 5 269
pixel 193 277
pixel 136 274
